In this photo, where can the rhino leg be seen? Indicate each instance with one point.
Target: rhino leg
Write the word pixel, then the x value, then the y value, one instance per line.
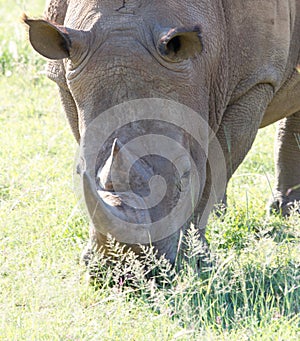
pixel 287 163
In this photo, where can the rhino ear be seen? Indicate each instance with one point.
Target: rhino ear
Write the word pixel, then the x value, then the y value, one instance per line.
pixel 50 40
pixel 180 43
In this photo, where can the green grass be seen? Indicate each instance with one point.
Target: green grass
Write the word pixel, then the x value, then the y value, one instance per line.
pixel 249 290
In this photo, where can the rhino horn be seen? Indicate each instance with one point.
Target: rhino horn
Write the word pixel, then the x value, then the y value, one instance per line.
pixel 104 173
pixel 113 176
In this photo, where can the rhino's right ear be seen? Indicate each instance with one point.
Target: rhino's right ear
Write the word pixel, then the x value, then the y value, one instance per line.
pixel 50 40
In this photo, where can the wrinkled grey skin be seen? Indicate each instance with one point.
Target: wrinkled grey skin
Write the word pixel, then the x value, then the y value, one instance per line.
pixel 241 77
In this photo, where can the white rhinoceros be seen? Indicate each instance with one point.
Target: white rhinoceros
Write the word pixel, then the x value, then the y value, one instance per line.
pixel 234 63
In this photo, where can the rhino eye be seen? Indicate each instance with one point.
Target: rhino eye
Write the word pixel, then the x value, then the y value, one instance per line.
pixel 180 43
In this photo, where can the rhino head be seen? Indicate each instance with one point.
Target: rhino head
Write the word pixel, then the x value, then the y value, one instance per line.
pixel 135 81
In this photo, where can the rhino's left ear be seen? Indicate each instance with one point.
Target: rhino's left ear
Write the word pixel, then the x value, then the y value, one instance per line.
pixel 180 43
pixel 50 40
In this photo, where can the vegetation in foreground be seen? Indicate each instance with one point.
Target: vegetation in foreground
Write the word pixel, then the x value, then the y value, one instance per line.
pixel 248 287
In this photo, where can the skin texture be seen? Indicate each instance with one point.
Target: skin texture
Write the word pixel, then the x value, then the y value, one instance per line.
pixel 236 68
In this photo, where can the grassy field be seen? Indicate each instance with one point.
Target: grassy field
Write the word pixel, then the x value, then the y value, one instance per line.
pixel 250 292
